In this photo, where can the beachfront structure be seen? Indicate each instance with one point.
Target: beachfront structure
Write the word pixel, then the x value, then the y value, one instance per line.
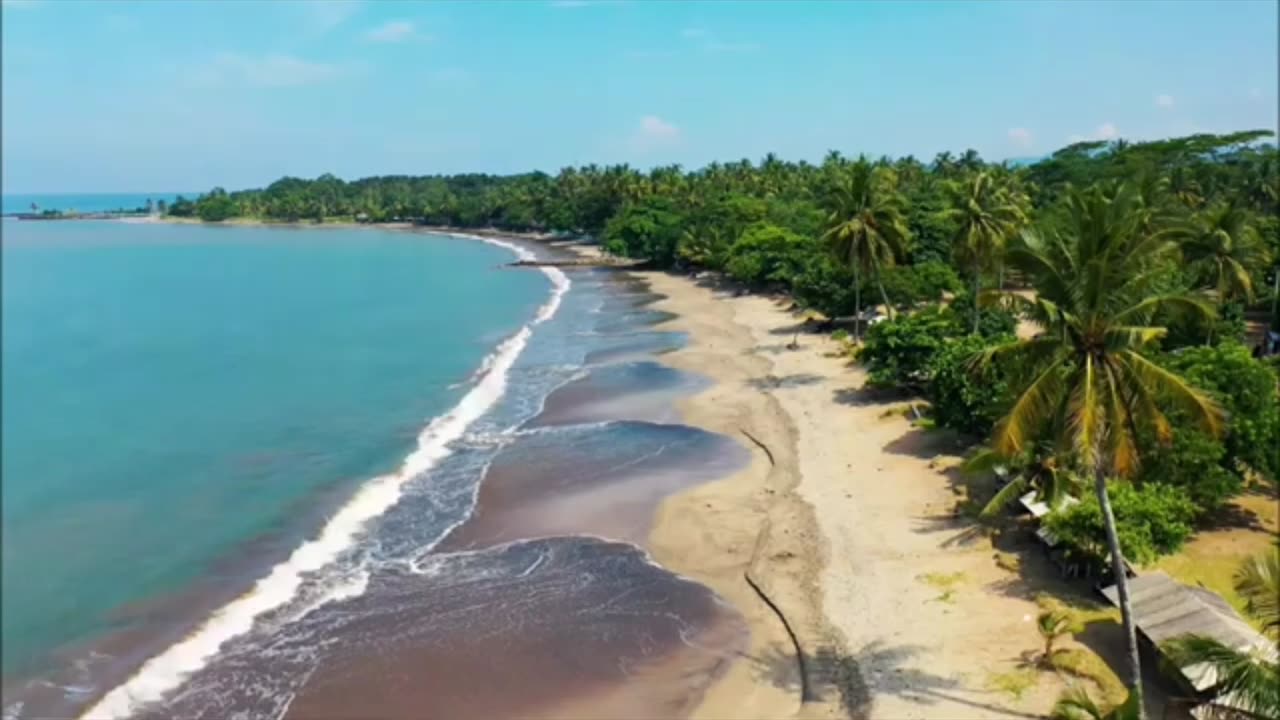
pixel 1164 609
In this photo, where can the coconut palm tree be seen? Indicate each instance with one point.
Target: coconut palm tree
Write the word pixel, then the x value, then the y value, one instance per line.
pixel 986 214
pixel 1088 383
pixel 1250 678
pixel 1224 250
pixel 1041 469
pixel 866 228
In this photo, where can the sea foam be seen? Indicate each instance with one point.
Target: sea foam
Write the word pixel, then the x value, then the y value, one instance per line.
pixel 166 671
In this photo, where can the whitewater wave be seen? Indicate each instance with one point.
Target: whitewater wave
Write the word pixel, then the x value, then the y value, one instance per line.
pixel 166 671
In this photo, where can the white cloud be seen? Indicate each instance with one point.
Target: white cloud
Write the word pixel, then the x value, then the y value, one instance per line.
pixel 1164 101
pixel 1105 131
pixel 693 33
pixel 326 15
pixel 1255 93
pixel 390 32
pixel 654 133
pixel 1020 137
pixel 271 70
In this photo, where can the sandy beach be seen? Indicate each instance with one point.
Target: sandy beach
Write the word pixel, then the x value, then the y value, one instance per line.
pixel 846 520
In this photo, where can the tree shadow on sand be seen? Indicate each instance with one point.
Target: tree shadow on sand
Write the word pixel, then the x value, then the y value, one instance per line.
pixel 835 675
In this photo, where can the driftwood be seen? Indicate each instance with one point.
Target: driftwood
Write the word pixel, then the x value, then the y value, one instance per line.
pixel 760 445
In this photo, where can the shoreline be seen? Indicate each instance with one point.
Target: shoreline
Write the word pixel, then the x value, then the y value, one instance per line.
pixel 848 523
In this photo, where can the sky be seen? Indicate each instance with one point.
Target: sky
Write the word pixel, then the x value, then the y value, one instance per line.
pixel 165 96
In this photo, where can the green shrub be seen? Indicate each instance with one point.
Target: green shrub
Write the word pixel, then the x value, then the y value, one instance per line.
pixel 908 285
pixel 965 397
pixel 1151 520
pixel 766 254
pixel 1247 390
pixel 992 322
pixel 825 286
pixel 649 229
pixel 898 352
pixel 1192 461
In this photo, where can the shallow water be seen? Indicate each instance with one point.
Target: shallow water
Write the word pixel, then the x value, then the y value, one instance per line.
pixel 493 548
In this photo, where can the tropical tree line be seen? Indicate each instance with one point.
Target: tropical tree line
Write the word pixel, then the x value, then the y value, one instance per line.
pixel 1087 314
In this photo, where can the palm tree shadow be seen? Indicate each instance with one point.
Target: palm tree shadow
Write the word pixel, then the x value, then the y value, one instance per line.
pixel 833 674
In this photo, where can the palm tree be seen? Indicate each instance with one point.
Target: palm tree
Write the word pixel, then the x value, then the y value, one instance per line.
pixel 1041 469
pixel 1089 384
pixel 986 215
pixel 1250 678
pixel 1053 625
pixel 1225 251
pixel 865 225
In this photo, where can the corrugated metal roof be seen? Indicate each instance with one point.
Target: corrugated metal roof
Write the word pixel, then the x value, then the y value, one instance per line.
pixel 1164 609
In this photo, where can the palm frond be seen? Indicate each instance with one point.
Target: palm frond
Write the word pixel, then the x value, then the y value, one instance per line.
pixel 1258 582
pixel 1004 497
pixel 1252 681
pixel 1203 409
pixel 1031 409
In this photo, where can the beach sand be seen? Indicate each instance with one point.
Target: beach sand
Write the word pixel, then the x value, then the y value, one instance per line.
pixel 850 529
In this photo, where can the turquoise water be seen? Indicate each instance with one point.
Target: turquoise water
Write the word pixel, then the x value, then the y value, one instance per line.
pixel 172 392
pixel 84 202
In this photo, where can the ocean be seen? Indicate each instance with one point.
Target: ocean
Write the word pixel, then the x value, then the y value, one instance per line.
pixel 323 472
pixel 84 202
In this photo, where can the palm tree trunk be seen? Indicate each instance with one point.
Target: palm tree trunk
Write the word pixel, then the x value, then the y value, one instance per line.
pixel 888 309
pixel 977 284
pixel 1122 591
pixel 857 303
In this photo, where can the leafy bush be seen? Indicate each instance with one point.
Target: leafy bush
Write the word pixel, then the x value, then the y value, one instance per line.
pixel 908 285
pixel 649 229
pixel 1151 519
pixel 898 352
pixel 1247 390
pixel 766 254
pixel 824 286
pixel 1192 461
pixel 992 321
pixel 964 397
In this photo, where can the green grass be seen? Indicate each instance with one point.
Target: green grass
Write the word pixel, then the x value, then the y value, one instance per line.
pixel 944 582
pixel 1015 682
pixel 1085 664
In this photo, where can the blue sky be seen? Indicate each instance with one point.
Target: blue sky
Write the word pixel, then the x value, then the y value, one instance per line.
pixel 157 96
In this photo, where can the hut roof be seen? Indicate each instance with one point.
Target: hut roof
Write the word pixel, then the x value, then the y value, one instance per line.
pixel 1164 609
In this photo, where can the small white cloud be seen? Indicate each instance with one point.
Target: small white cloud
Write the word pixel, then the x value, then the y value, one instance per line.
pixel 1106 131
pixel 1020 137
pixel 390 32
pixel 272 70
pixel 654 133
pixel 1164 101
pixel 693 33
pixel 321 17
pixel 1255 93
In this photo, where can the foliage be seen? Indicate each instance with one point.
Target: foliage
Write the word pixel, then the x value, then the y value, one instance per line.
pixel 647 230
pixel 986 212
pixel 909 285
pixel 898 352
pixel 1250 677
pixel 993 320
pixel 825 286
pixel 1076 704
pixel 1192 461
pixel 967 398
pixel 1224 250
pixel 1152 520
pixel 1248 391
pixel 766 254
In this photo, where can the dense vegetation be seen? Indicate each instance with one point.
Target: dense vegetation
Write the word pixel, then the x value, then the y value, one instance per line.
pixel 1092 312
